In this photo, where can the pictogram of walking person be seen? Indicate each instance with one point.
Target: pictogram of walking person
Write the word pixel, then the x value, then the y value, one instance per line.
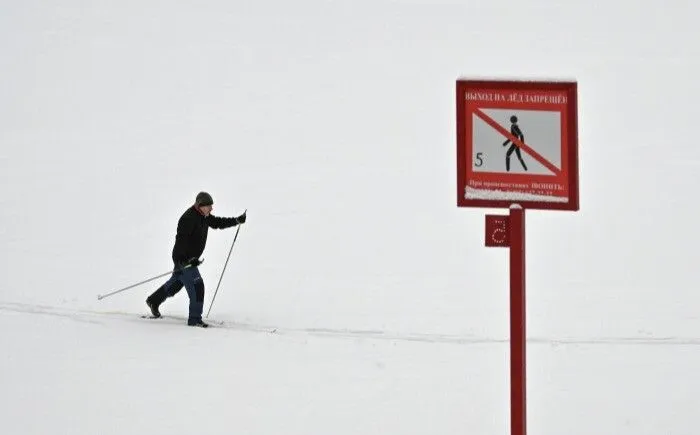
pixel 515 131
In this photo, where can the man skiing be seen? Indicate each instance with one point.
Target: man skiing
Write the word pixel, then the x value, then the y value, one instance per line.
pixel 190 241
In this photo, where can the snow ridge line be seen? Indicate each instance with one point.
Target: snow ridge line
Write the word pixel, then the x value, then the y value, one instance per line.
pixel 93 316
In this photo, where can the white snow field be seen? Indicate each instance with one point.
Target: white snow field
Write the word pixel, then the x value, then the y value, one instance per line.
pixel 359 299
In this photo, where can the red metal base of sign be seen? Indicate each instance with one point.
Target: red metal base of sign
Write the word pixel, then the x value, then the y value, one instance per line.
pixel 517 321
pixel 509 231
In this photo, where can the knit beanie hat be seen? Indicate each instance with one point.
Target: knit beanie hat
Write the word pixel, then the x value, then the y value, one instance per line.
pixel 203 198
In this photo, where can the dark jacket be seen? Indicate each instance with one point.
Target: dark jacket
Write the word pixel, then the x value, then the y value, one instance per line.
pixel 192 229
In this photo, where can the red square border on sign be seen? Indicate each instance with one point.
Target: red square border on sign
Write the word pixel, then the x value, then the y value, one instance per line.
pixel 517 143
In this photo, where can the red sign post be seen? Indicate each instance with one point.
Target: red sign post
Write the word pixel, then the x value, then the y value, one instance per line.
pixel 517 148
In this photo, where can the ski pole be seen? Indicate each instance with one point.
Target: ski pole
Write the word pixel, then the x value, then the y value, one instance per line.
pixel 224 269
pixel 100 297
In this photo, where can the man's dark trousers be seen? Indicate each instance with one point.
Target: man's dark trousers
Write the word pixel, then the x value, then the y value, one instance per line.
pixel 193 283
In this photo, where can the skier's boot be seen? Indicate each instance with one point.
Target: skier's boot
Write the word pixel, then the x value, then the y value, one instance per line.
pixel 197 323
pixel 155 299
pixel 153 307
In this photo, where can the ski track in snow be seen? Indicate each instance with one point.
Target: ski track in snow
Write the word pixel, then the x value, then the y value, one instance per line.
pixel 100 317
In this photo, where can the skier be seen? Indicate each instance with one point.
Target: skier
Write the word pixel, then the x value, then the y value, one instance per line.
pixel 190 241
pixel 515 131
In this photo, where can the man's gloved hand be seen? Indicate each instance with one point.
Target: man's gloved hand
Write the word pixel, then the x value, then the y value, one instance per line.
pixel 193 262
pixel 241 219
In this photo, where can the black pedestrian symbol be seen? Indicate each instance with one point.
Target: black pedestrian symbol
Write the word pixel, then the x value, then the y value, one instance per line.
pixel 515 131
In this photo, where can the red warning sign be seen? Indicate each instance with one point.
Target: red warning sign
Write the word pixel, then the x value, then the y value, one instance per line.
pixel 517 142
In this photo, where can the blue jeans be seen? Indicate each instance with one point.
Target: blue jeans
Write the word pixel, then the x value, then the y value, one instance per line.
pixel 193 283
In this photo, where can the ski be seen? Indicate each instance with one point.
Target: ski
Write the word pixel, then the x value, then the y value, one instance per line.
pixel 215 323
pixel 181 319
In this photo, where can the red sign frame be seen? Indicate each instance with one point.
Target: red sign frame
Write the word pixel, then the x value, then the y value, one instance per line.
pixel 556 191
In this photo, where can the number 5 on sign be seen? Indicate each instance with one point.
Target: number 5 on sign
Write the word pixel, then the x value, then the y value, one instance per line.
pixel 479 159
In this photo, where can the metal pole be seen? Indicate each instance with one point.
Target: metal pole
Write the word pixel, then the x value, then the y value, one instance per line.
pixel 224 269
pixel 100 297
pixel 518 413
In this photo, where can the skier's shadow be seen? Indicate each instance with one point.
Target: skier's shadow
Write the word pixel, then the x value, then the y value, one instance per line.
pixel 515 131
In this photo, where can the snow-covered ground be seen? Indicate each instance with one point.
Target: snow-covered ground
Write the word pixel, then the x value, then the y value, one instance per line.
pixel 358 299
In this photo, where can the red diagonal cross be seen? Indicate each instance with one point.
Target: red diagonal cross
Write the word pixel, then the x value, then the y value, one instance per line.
pixel 517 142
